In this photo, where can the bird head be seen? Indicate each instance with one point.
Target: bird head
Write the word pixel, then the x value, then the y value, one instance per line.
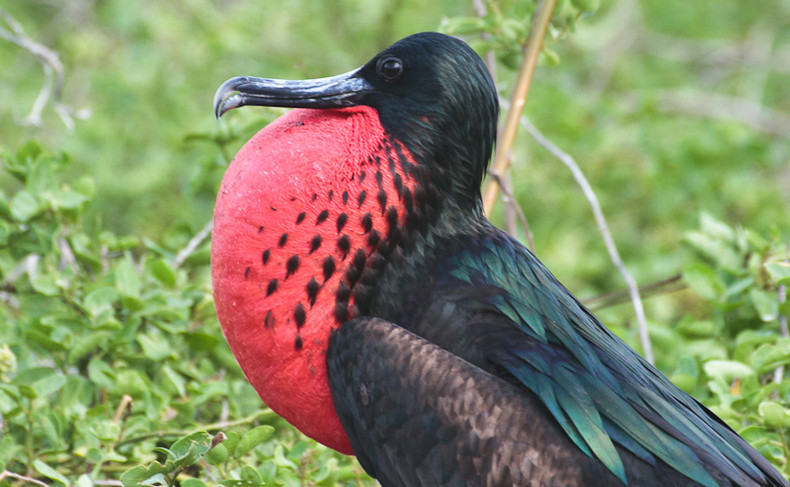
pixel 432 92
pixel 319 205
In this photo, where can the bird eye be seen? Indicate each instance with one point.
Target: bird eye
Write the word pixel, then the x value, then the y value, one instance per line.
pixel 390 68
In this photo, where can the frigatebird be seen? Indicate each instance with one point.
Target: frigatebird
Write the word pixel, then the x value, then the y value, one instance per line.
pixel 371 303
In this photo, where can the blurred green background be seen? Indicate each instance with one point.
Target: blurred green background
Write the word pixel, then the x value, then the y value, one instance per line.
pixel 672 109
pixel 625 100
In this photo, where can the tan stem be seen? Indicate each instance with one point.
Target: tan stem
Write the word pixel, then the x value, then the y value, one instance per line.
pixel 531 52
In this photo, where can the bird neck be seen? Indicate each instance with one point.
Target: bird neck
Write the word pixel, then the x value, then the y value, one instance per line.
pixel 310 214
pixel 457 167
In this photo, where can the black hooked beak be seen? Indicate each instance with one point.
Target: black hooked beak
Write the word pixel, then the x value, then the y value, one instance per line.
pixel 343 90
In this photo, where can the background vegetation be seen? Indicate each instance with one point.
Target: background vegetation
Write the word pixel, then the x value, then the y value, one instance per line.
pixel 111 359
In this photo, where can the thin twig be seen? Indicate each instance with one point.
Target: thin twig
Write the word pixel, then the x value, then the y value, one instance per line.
pixel 193 244
pixel 664 286
pixel 755 115
pixel 52 87
pixel 9 299
pixel 511 210
pixel 531 52
pixel 507 197
pixel 782 296
pixel 709 52
pixel 126 401
pixel 509 204
pixel 618 36
pixel 490 57
pixel 27 265
pixel 67 258
pixel 759 44
pixel 6 473
pixel 265 413
pixel 614 255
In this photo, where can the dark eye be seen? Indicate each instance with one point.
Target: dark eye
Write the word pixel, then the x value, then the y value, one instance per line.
pixel 390 68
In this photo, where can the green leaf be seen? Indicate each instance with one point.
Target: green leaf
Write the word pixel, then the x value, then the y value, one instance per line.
pixel 162 272
pixel 132 382
pixel 100 301
pixel 84 481
pixel 716 228
pixel 727 370
pixel 49 385
pixel 24 206
pixel 67 199
pixel 720 253
pixel 739 286
pixel 188 450
pixel 774 414
pixel 155 346
pixel 462 25
pixel 231 441
pixel 252 438
pixel 5 227
pixel 249 474
pixel 101 374
pixel 771 355
pixel 704 281
pixel 41 177
pixel 586 5
pixel 27 391
pixel 281 460
pixel 175 380
pixel 551 56
pixel 106 430
pixel 240 483
pixel 779 272
pixel 298 450
pixel 766 304
pixel 90 343
pixel 217 455
pixel 49 472
pixel 127 280
pixel 150 474
pixel 32 374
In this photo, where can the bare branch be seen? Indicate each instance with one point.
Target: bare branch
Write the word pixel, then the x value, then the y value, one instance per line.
pixel 664 286
pixel 614 255
pixel 9 299
pixel 490 58
pixel 27 265
pixel 723 107
pixel 711 52
pixel 52 87
pixel 67 258
pixel 6 473
pixel 782 296
pixel 193 244
pixel 510 202
pixel 531 52
pixel 126 401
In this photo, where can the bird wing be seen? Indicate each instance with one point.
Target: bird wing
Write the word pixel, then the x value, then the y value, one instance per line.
pixel 418 415
pixel 598 389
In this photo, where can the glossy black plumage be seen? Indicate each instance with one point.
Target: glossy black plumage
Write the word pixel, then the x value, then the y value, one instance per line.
pixel 483 429
pixel 460 306
pixel 464 331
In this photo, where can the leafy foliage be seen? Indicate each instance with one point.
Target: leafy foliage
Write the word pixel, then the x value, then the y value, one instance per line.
pixel 740 273
pixel 112 365
pixel 111 350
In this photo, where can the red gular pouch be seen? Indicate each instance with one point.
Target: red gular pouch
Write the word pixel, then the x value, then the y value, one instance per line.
pixel 301 211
